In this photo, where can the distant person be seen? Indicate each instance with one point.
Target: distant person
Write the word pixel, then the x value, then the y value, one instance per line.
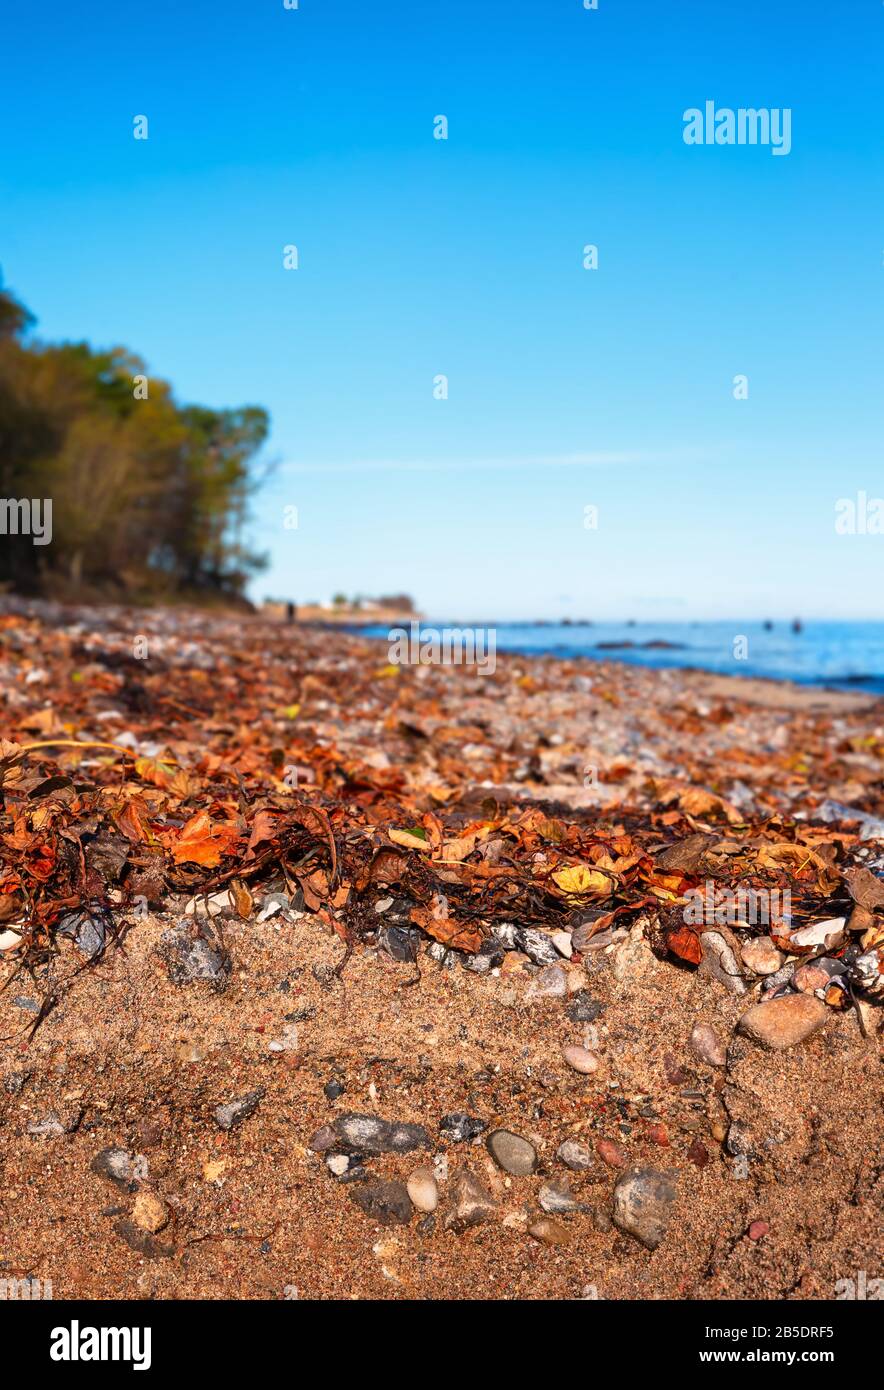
pixel 797 625
pixel 290 611
pixel 768 625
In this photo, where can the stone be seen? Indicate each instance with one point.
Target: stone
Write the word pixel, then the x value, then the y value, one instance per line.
pixel 371 1135
pixel 549 1232
pixel 720 963
pixel 423 1189
pixel 537 946
pixel 142 1242
pixel 562 942
pixel 583 1008
pixel 324 1138
pixel 235 1111
pixel 150 1212
pixel 332 1090
pixel 192 956
pixel 780 1023
pixel 580 1059
pixel 460 1128
pixel 399 943
pixel 512 1153
pixel 758 1229
pixel 761 956
pixel 828 934
pixel 123 1169
pixel 469 1203
pixel 612 1153
pixel 817 974
pixel 386 1202
pixel 549 983
pixel 643 1201
pixel 707 1045
pixel 575 1156
pixel 557 1199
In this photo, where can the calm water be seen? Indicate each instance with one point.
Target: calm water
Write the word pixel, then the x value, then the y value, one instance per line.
pixel 845 655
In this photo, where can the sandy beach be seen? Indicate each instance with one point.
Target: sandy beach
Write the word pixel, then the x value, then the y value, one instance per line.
pixel 256 882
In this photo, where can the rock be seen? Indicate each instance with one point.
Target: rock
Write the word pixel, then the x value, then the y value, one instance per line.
pixel 460 1128
pixel 235 1111
pixel 761 956
pixel 142 1242
pixel 14 1082
pixel 399 943
pixel 557 1199
pixel 537 946
pixel 123 1169
pixel 707 1045
pixel 642 1204
pixel 512 1153
pixel 387 1202
pixel 783 1022
pixel 332 1090
pixel 549 1232
pixel 829 934
pixel 583 1008
pixel 423 1190
pixel 612 1153
pixel 583 935
pixel 549 983
pixel 580 1059
pixel 324 1138
pixel 758 1229
pixel 562 942
pixel 720 963
pixel 192 955
pixel 48 1126
pixel 88 930
pixel 469 1202
pixel 818 974
pixel 574 1156
pixel 345 1168
pixel 150 1212
pixel 698 1153
pixel 371 1135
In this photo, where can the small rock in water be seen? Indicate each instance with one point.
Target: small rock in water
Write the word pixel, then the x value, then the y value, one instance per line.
pixel 549 983
pixel 642 1205
pixel 761 956
pixel 780 1023
pixel 574 1156
pixel 422 1189
pixel 549 1232
pixel 708 1046
pixel 387 1202
pixel 460 1128
pixel 580 1059
pixel 372 1135
pixel 583 1008
pixel 469 1202
pixel 235 1111
pixel 512 1153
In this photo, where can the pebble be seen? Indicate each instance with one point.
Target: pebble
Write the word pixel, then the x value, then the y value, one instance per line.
pixel 580 1059
pixel 583 1008
pixel 574 1156
pixel 345 1167
pixel 761 956
pixel 720 963
pixel 512 1153
pixel 707 1045
pixel 469 1201
pixel 386 1202
pixel 549 983
pixel 192 958
pixel 612 1153
pixel 235 1111
pixel 817 974
pixel 332 1089
pixel 49 1127
pixel 829 934
pixel 323 1139
pixel 780 1023
pixel 537 946
pixel 557 1199
pixel 562 942
pixel 642 1205
pixel 757 1230
pixel 372 1135
pixel 150 1212
pixel 549 1232
pixel 698 1153
pixel 460 1128
pixel 423 1190
pixel 120 1167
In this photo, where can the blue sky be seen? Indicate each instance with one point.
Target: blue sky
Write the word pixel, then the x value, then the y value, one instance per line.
pixel 418 257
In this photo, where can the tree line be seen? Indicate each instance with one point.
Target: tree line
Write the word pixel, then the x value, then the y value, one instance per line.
pixel 149 498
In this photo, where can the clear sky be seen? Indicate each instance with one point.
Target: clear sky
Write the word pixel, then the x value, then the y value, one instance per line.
pixel 568 387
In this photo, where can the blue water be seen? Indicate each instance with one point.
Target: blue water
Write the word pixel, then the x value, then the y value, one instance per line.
pixel 836 654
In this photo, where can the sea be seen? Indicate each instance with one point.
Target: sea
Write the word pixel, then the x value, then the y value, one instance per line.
pixel 837 655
